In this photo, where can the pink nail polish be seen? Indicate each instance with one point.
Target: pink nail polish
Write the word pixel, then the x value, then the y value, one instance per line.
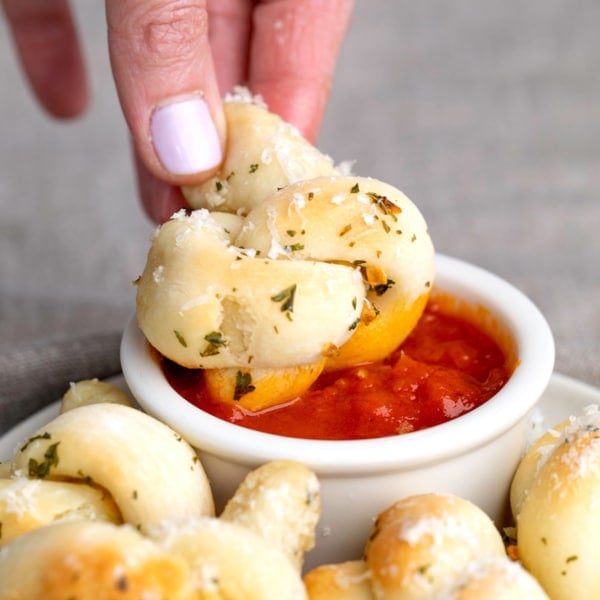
pixel 185 137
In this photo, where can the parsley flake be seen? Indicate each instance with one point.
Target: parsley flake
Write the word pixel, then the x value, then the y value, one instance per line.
pixel 180 338
pixel 286 297
pixel 382 288
pixel 293 247
pixel 43 436
pixel 215 341
pixel 243 385
pixel 41 469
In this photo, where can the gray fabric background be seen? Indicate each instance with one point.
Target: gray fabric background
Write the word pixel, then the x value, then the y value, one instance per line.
pixel 487 114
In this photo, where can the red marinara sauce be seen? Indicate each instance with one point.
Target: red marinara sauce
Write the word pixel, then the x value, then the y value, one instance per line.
pixel 445 368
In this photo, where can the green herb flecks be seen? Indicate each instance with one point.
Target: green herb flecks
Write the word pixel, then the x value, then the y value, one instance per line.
pixel 293 247
pixel 42 436
pixel 180 338
pixel 253 168
pixel 382 288
pixel 215 341
pixel 243 385
pixel 41 469
pixel 286 297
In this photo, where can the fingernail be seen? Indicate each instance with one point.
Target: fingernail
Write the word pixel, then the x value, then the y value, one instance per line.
pixel 185 137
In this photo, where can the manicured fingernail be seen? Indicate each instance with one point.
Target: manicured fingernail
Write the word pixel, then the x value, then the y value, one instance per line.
pixel 185 137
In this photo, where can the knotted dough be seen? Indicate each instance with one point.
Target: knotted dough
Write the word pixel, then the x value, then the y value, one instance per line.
pixel 75 481
pixel 124 452
pixel 362 223
pixel 280 501
pixel 204 302
pixel 555 499
pixel 287 267
pixel 428 547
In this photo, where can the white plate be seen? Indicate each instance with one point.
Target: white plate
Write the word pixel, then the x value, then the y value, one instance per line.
pixel 563 397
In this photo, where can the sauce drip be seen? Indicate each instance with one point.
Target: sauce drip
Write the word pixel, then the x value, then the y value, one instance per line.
pixel 445 368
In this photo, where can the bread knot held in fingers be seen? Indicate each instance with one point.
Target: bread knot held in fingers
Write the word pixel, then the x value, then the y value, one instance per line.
pixel 124 452
pixel 555 498
pixel 287 267
pixel 332 272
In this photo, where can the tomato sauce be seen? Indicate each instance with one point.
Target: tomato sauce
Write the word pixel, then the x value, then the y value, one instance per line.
pixel 445 368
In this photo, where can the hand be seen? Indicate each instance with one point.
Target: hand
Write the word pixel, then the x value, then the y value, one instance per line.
pixel 173 60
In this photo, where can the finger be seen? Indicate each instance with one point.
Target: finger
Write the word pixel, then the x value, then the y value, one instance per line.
pixel 229 34
pixel 166 83
pixel 47 45
pixel 159 199
pixel 294 49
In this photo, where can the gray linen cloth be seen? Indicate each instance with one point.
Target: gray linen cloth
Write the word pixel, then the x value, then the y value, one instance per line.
pixel 33 377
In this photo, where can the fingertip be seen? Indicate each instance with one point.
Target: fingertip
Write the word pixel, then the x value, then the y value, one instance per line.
pixel 66 94
pixel 48 48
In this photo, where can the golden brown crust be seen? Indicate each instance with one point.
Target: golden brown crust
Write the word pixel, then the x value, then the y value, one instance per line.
pixel 421 543
pixel 344 581
pixel 86 560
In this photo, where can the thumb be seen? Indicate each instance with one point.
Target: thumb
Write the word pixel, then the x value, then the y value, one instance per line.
pixel 165 80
